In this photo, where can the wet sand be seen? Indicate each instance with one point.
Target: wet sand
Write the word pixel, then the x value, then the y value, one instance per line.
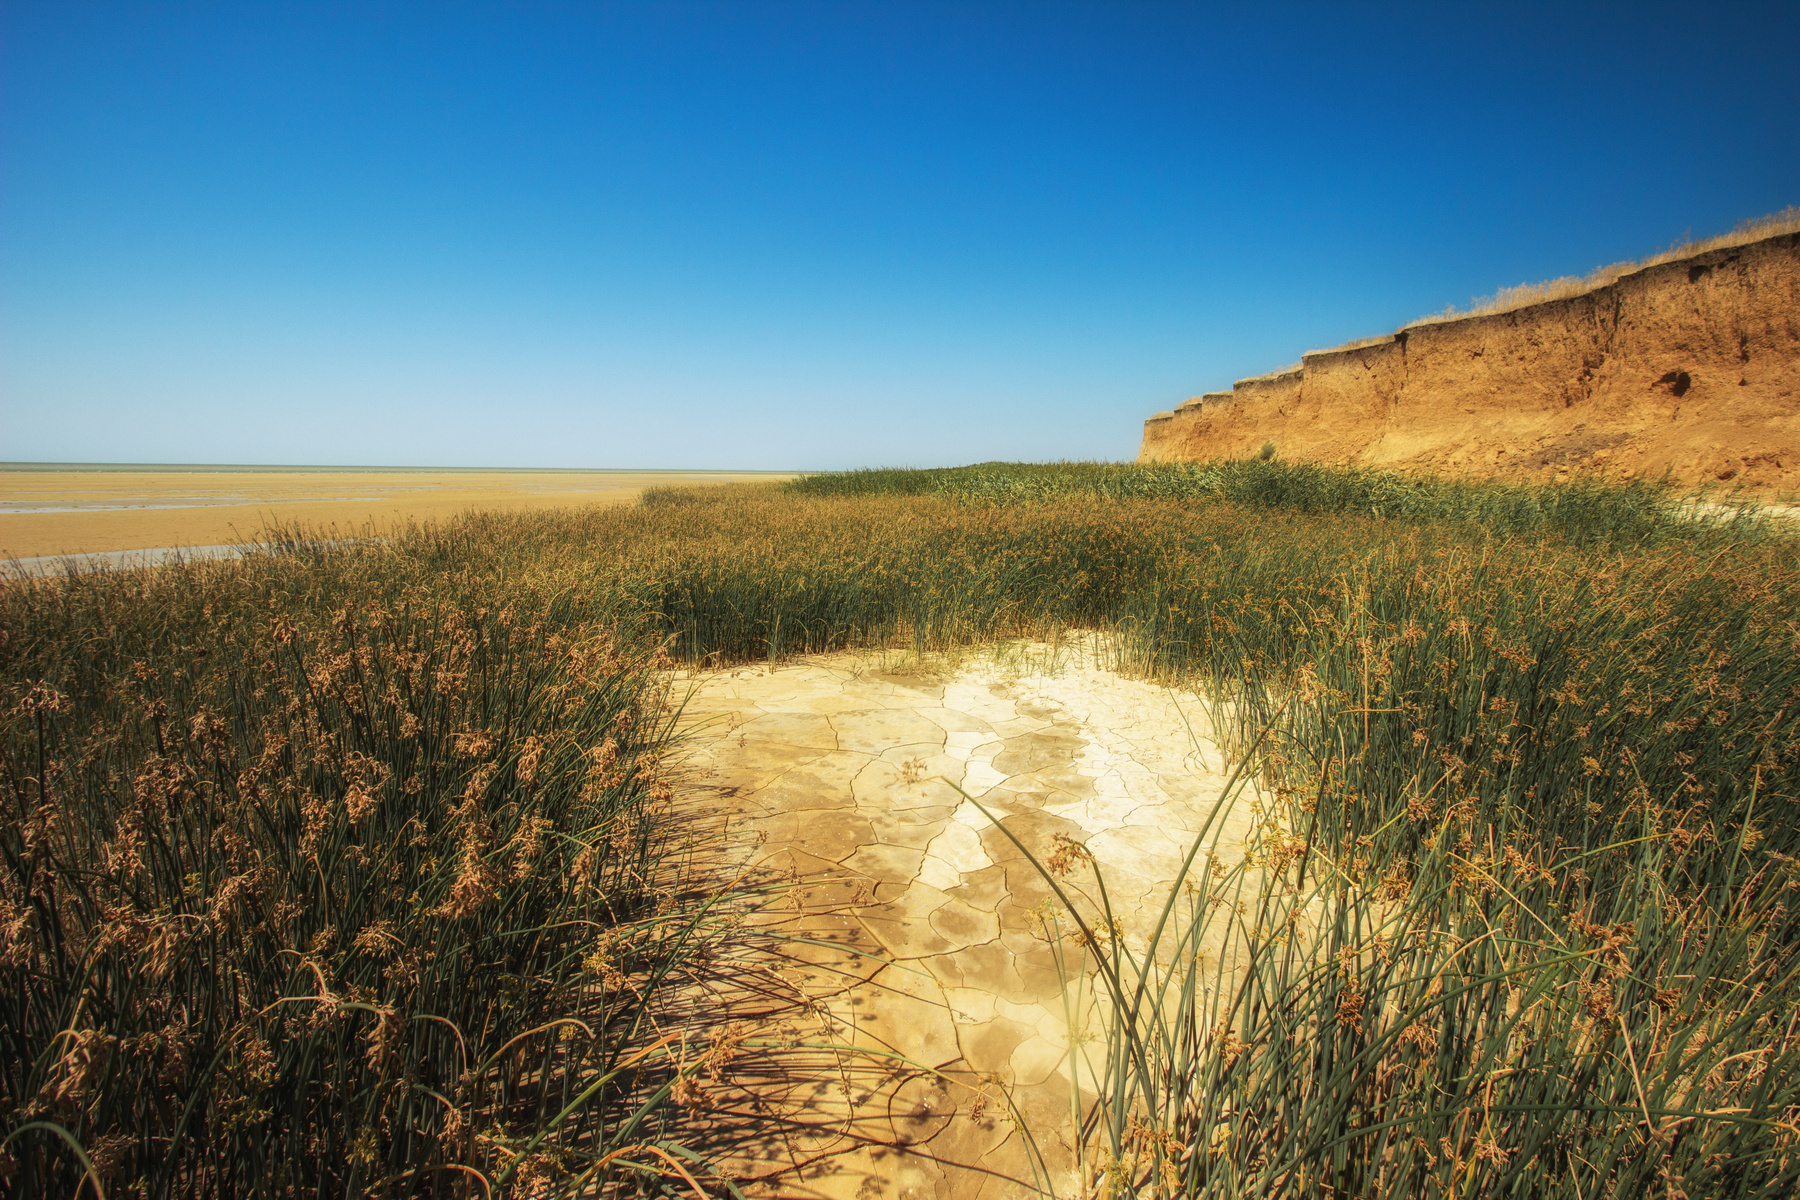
pixel 55 510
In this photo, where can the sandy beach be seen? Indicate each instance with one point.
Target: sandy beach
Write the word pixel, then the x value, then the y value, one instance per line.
pixel 57 509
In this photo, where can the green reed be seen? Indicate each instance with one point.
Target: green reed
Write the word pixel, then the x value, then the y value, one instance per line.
pixel 324 872
pixel 1583 510
pixel 1517 917
pixel 1516 922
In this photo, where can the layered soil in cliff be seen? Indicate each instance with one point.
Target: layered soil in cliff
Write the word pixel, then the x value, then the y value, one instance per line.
pixel 1688 369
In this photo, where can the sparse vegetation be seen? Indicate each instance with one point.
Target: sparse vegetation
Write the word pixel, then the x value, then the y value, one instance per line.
pixel 1277 373
pixel 1510 299
pixel 1520 919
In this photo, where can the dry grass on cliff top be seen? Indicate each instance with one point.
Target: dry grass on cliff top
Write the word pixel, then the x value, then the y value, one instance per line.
pixel 1524 295
pixel 1510 299
pixel 1293 368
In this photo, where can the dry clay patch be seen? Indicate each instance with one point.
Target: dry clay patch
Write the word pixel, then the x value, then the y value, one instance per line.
pixel 906 978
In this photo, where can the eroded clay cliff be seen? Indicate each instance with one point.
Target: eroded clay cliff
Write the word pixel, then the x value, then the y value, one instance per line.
pixel 1689 369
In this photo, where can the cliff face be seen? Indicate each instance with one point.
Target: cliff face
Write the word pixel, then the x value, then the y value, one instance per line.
pixel 1689 368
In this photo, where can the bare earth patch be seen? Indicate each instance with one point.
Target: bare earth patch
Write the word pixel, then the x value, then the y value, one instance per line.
pixel 902 997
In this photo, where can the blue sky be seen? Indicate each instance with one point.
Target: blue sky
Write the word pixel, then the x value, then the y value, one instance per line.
pixel 797 234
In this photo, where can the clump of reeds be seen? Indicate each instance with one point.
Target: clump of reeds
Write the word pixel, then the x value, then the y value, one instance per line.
pixel 325 875
pixel 1519 917
pixel 1581 510
pixel 338 867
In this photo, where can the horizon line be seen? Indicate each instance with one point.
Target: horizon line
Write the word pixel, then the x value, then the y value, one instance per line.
pixel 47 464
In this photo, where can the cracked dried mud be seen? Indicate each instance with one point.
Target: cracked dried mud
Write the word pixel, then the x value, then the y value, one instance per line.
pixel 904 981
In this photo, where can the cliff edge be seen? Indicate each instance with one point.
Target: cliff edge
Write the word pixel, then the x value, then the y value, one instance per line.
pixel 1688 368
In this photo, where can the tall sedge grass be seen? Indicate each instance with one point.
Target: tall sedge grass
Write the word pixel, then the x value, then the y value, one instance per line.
pixel 323 876
pixel 288 906
pixel 1583 511
pixel 1518 919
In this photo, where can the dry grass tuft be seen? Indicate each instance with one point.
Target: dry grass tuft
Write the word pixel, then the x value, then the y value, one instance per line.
pixel 1293 368
pixel 1511 299
pixel 1524 295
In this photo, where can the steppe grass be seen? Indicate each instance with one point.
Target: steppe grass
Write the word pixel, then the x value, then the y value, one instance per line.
pixel 1581 511
pixel 335 871
pixel 1517 921
pixel 1519 916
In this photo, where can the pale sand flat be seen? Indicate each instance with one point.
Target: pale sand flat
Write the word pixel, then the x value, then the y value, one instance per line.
pixel 919 948
pixel 48 513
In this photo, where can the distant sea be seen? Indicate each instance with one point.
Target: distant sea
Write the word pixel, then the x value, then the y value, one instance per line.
pixel 288 467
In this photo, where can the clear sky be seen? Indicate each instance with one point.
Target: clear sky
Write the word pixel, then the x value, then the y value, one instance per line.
pixel 796 234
